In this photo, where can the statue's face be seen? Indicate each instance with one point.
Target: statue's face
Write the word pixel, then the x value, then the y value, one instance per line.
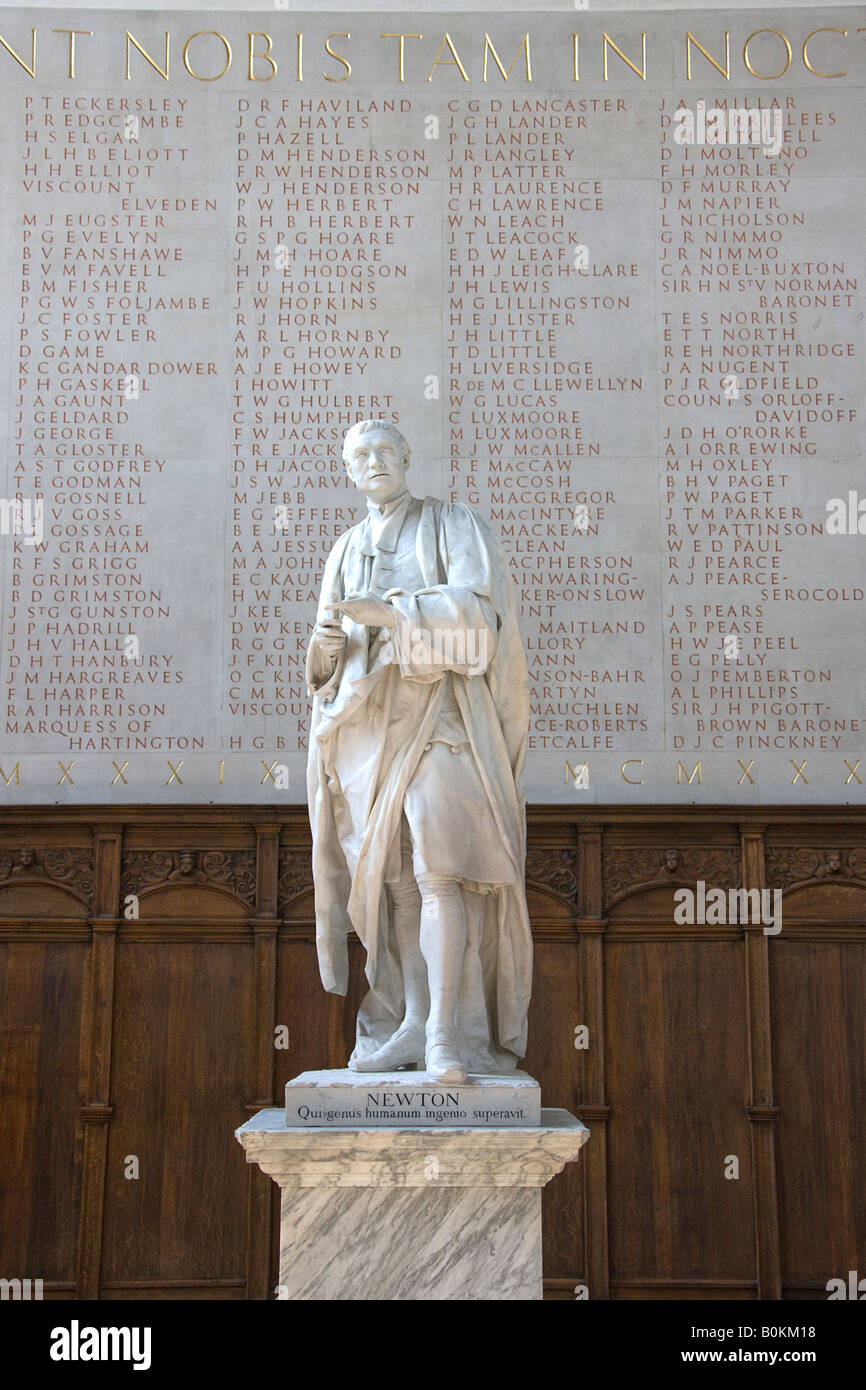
pixel 375 464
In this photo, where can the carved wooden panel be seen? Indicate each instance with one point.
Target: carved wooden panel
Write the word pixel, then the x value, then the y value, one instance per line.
pixel 556 1011
pixel 630 871
pixel 295 879
pixel 41 995
pixel 181 1068
pixel 165 877
pixel 35 879
pixel 788 867
pixel 819 997
pixel 553 870
pixel 678 1087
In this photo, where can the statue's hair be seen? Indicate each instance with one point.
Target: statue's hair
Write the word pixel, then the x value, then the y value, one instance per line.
pixel 362 426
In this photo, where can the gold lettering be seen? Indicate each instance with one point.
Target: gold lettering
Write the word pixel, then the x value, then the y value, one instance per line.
pixel 630 780
pixel 524 47
pixel 402 38
pixel 799 772
pixel 448 62
pixel 14 773
pixel 681 773
pixel 852 772
pixel 746 771
pixel 725 71
pixel 72 33
pixel 329 50
pixel 174 771
pixel 32 71
pixel 66 777
pixel 119 772
pixel 766 76
pixel 817 71
pixel 642 72
pixel 145 54
pixel 265 57
pixel 228 49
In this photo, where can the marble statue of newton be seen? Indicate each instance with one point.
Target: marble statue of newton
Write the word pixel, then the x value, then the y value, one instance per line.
pixel 418 734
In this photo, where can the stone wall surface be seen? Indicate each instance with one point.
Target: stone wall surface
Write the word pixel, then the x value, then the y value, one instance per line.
pixel 634 343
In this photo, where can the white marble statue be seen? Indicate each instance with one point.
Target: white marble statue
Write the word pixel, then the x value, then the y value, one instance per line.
pixel 420 715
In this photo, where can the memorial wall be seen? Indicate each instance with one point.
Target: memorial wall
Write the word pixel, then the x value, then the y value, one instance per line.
pixel 603 270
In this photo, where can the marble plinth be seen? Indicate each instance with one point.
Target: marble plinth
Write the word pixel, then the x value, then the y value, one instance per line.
pixel 351 1099
pixel 411 1213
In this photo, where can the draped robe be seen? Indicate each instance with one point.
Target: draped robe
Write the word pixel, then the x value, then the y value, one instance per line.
pixel 374 714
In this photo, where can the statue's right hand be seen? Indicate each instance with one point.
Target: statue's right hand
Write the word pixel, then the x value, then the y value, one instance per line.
pixel 331 638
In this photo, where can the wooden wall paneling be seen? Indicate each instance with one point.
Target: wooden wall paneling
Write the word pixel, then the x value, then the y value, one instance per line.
pixel 318 1023
pixel 762 1109
pixel 184 1064
pixel 820 1059
pixel 677 1068
pixel 822 1125
pixel 265 928
pixel 708 1041
pixel 184 1057
pixel 45 900
pixel 557 1065
pixel 594 1108
pixel 41 987
pixel 555 1010
pixel 97 1023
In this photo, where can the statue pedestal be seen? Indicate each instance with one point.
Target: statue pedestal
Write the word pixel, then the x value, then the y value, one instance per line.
pixel 452 1212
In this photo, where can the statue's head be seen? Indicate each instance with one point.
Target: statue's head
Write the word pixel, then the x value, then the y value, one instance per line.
pixel 376 457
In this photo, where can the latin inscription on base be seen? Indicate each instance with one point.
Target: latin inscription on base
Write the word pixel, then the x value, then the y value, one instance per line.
pixel 335 1099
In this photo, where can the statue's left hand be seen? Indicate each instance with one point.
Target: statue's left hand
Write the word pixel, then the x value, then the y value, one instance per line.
pixel 367 609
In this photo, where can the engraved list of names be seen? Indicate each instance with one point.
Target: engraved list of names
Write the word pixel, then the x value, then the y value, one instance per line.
pixel 605 274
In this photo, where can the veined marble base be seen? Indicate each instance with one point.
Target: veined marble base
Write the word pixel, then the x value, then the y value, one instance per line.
pixel 388 1213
